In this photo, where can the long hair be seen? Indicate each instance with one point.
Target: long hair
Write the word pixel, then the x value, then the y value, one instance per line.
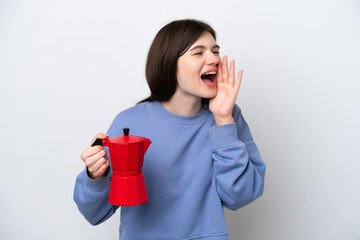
pixel 171 42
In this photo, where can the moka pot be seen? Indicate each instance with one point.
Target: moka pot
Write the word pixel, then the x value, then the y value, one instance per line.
pixel 127 187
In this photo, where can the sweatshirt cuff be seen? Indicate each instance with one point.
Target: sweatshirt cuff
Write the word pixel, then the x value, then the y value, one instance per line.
pixel 96 186
pixel 223 135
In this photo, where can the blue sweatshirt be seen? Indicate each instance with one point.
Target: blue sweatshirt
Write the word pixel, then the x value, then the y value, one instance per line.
pixel 192 170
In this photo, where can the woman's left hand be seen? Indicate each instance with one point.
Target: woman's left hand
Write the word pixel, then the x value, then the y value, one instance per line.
pixel 223 103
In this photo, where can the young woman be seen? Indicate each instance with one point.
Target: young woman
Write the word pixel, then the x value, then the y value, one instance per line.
pixel 202 157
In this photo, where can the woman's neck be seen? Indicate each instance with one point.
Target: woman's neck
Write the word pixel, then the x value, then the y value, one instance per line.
pixel 183 105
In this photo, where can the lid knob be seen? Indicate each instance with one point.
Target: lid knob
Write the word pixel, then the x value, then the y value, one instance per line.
pixel 126 131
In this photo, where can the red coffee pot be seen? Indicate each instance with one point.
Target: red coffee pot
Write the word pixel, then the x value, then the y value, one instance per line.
pixel 127 187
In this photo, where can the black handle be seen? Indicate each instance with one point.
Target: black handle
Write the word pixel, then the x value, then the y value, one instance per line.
pixel 98 141
pixel 126 131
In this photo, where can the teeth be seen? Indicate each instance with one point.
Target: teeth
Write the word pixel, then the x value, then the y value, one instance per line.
pixel 209 73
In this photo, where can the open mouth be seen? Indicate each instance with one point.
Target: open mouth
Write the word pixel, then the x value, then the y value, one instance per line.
pixel 209 78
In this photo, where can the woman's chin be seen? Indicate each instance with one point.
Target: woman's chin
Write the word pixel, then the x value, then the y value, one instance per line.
pixel 210 94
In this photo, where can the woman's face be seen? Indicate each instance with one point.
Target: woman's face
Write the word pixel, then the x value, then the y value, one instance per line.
pixel 197 68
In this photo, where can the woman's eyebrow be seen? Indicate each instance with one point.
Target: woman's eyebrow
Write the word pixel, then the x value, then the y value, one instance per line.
pixel 203 47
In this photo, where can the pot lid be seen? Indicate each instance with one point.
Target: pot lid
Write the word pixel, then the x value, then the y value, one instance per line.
pixel 127 139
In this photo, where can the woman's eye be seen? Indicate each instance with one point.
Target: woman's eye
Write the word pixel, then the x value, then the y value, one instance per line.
pixel 198 53
pixel 216 53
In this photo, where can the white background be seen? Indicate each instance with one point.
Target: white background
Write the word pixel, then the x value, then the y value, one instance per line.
pixel 68 67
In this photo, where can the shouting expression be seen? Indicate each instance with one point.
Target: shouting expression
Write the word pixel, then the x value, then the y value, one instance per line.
pixel 197 68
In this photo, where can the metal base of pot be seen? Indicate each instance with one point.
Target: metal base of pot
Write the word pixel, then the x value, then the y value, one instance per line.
pixel 127 191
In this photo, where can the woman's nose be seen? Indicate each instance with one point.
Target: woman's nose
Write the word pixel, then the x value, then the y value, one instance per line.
pixel 213 59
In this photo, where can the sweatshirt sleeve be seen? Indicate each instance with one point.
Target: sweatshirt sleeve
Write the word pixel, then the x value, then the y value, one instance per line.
pixel 239 171
pixel 91 197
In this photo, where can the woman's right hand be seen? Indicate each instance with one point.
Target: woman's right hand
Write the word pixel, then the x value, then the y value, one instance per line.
pixel 96 159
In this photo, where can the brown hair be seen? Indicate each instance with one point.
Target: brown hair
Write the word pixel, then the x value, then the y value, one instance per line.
pixel 171 42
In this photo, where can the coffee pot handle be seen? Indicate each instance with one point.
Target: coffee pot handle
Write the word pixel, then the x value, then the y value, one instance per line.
pixel 98 141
